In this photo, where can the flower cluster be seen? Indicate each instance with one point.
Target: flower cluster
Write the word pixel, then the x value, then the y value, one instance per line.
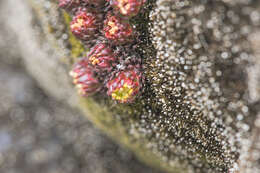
pixel 84 78
pixel 125 85
pixel 128 8
pixel 104 27
pixel 117 30
pixel 84 24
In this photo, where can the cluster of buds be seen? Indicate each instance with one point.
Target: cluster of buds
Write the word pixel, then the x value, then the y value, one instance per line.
pixel 128 8
pixel 95 3
pixel 125 86
pixel 117 30
pixel 68 4
pixel 84 24
pixel 102 58
pixel 85 78
pixel 106 23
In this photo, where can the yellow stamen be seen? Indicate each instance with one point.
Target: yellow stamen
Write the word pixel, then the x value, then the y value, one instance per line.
pixel 94 60
pixel 124 6
pixel 113 26
pixel 122 94
pixel 78 24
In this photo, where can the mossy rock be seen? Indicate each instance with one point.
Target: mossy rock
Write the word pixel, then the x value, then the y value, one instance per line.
pixel 195 111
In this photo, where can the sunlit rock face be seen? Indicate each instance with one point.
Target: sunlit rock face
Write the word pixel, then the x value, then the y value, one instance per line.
pixel 199 81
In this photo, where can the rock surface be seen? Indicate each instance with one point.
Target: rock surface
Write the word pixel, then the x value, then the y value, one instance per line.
pixel 200 107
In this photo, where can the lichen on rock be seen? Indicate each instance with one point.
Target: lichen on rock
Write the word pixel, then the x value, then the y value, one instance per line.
pixel 199 79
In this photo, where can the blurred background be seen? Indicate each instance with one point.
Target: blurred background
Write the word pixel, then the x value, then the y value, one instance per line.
pixel 41 135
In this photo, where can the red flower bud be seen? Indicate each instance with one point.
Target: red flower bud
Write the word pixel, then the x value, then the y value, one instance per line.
pixel 102 57
pixel 117 30
pixel 85 24
pixel 128 8
pixel 125 86
pixel 96 3
pixel 84 78
pixel 68 4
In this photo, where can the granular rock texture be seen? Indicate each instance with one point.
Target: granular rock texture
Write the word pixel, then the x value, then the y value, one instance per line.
pixel 199 79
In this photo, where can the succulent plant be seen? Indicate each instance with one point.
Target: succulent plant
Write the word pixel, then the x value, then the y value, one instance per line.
pixel 96 3
pixel 118 30
pixel 103 67
pixel 84 78
pixel 68 4
pixel 128 8
pixel 85 24
pixel 102 57
pixel 125 86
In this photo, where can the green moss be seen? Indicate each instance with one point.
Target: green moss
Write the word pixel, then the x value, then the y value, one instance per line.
pixel 77 48
pixel 102 116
